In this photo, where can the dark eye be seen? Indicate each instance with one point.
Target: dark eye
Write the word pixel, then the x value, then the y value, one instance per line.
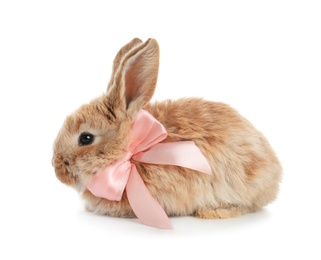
pixel 86 139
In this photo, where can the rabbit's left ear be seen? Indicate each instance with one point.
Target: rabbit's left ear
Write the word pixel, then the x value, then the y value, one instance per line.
pixel 135 80
pixel 120 55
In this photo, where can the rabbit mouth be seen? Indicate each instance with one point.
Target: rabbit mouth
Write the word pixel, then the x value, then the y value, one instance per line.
pixel 62 172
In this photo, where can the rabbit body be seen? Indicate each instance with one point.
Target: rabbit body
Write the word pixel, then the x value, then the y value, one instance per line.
pixel 245 170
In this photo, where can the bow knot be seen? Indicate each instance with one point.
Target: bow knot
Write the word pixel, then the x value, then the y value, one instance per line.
pixel 144 146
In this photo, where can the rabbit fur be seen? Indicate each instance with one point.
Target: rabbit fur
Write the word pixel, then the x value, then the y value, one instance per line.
pixel 245 170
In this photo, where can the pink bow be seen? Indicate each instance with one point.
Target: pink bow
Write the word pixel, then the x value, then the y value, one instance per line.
pixel 144 146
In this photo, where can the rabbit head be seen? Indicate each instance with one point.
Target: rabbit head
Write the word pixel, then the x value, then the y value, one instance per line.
pixel 97 133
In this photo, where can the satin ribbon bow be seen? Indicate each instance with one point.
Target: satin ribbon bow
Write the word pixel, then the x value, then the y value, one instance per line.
pixel 145 135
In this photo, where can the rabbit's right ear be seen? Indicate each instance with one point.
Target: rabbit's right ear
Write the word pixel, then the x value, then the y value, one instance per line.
pixel 120 55
pixel 135 80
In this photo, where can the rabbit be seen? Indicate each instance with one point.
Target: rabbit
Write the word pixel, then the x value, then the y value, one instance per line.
pixel 246 172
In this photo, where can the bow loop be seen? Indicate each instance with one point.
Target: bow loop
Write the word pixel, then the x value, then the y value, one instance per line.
pixel 146 131
pixel 108 183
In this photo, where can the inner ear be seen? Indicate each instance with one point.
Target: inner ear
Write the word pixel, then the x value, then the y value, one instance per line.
pixel 132 79
pixel 120 55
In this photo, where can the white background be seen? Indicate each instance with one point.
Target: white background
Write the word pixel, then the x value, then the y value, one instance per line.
pixel 261 57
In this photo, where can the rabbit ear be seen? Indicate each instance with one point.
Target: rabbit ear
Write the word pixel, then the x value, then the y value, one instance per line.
pixel 120 55
pixel 135 80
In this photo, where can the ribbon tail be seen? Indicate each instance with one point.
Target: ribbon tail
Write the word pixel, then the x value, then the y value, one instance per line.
pixel 145 207
pixel 184 153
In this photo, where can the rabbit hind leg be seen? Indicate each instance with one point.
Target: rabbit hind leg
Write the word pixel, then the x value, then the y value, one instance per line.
pixel 229 212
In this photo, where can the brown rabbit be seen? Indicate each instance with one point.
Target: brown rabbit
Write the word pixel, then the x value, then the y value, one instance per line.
pixel 245 170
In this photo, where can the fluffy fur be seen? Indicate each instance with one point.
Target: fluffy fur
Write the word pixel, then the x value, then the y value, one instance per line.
pixel 246 171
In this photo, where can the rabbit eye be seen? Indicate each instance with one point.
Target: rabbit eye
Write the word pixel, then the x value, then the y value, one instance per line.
pixel 85 139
